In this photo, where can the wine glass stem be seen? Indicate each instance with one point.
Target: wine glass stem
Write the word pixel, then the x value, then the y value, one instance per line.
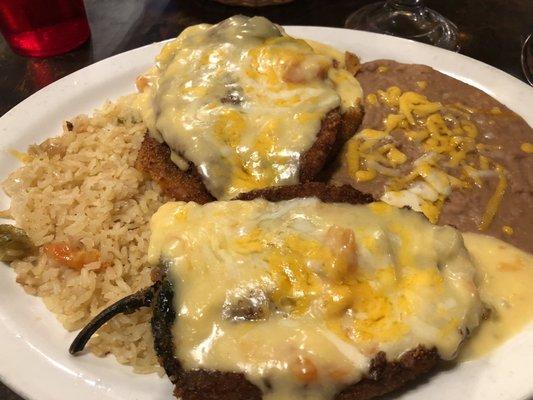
pixel 405 3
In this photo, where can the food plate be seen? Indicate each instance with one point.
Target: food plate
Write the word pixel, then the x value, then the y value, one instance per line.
pixel 33 345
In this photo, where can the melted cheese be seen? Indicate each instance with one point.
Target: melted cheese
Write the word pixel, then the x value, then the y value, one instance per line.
pixel 348 88
pixel 242 101
pixel 300 295
pixel 505 282
pixel 527 147
pixel 446 138
pixel 322 48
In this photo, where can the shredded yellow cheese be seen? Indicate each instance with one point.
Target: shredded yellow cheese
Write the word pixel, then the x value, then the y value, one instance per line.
pixel 527 147
pixel 391 96
pixel 364 176
pixel 484 163
pixel 507 230
pixel 372 99
pixel 431 211
pixel 495 200
pixel 413 103
pixel 396 156
pixel 443 131
pixel 422 84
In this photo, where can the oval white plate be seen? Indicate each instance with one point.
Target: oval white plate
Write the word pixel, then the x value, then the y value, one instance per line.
pixel 34 359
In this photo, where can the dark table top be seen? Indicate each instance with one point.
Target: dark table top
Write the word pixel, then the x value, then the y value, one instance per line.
pixel 491 31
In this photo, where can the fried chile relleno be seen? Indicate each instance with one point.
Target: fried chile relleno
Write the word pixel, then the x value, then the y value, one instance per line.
pixel 240 106
pixel 383 376
pixel 248 308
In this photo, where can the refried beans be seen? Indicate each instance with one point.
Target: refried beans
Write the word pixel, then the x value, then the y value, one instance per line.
pixel 442 147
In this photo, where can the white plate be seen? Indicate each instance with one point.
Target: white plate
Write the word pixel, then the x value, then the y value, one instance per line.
pixel 34 359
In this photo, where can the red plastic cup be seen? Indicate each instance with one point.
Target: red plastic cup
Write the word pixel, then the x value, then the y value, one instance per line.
pixel 42 28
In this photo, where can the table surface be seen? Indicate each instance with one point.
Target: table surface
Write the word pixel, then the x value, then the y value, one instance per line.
pixel 490 30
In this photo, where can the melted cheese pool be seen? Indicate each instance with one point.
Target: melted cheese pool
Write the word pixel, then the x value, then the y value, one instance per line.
pixel 505 281
pixel 301 295
pixel 243 102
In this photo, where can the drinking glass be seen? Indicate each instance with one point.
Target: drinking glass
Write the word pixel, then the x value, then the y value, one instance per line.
pixel 42 28
pixel 409 19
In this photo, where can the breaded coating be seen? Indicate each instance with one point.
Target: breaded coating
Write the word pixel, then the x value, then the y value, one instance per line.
pixel 384 377
pixel 154 160
pixel 215 385
pixel 351 120
pixel 326 193
pixel 352 62
pixel 314 159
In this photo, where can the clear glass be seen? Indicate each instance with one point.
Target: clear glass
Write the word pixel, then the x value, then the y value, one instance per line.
pixel 42 28
pixel 409 19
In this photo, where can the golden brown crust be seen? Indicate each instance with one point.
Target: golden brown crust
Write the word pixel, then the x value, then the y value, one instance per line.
pixel 335 131
pixel 216 385
pixel 352 62
pixel 326 193
pixel 314 159
pixel 154 160
pixel 384 376
pixel 351 120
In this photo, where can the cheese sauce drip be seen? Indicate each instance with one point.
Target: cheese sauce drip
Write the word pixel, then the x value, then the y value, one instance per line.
pixel 505 282
pixel 300 296
pixel 242 101
pixel 449 155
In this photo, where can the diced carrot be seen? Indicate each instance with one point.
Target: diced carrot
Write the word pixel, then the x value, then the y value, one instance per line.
pixel 141 82
pixel 70 257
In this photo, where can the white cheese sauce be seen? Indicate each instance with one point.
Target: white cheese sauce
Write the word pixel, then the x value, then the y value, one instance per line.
pixel 505 281
pixel 301 295
pixel 242 101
